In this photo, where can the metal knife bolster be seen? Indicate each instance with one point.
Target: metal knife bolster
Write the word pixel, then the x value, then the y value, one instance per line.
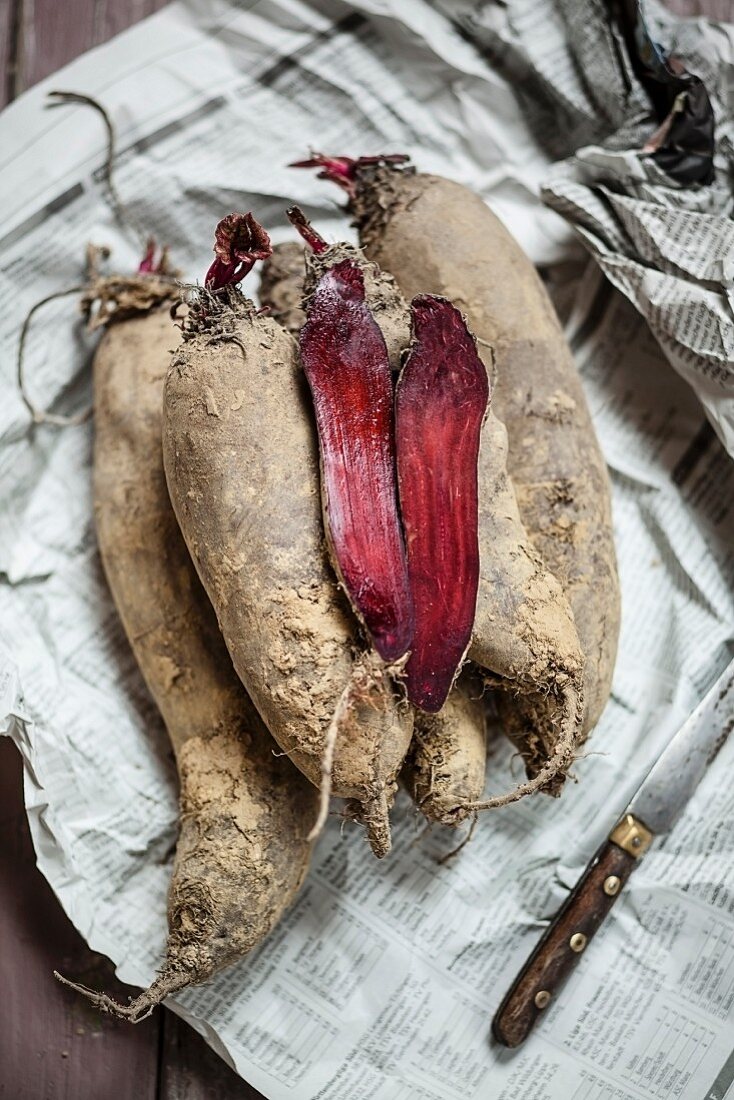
pixel 570 931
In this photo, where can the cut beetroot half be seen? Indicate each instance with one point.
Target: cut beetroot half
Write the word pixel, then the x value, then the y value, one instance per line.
pixel 442 400
pixel 345 361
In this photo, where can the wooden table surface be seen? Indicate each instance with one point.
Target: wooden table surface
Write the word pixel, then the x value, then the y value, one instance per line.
pixel 53 1045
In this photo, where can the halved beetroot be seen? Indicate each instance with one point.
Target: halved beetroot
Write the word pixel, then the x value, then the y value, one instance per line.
pixel 345 360
pixel 442 399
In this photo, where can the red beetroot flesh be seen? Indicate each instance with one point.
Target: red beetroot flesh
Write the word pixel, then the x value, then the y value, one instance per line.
pixel 441 403
pixel 345 361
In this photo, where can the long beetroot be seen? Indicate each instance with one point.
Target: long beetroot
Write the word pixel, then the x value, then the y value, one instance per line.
pixel 241 463
pixel 441 403
pixel 437 237
pixel 345 359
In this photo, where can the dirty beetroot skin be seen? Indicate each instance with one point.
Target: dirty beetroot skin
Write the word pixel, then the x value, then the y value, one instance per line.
pixel 441 403
pixel 281 285
pixel 345 360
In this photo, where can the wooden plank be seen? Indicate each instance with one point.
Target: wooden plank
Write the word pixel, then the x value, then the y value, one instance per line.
pixel 112 17
pixel 7 50
pixel 712 9
pixel 51 33
pixel 190 1070
pixel 53 1044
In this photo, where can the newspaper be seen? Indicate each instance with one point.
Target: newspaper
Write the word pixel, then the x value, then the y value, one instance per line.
pixel 382 979
pixel 667 247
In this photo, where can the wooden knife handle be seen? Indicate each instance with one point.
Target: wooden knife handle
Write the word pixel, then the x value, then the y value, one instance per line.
pixel 569 932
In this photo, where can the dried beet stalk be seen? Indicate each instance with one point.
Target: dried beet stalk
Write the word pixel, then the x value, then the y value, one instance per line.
pixel 239 242
pixel 343 171
pixel 442 400
pixel 345 360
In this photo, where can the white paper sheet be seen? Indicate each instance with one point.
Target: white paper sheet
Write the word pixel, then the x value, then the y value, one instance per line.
pixel 381 981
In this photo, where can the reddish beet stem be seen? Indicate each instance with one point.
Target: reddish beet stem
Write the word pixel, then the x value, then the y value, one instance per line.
pixel 441 403
pixel 150 265
pixel 311 236
pixel 345 361
pixel 240 241
pixel 343 170
pixel 147 264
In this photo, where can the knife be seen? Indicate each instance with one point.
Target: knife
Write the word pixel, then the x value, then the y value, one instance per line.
pixel 653 810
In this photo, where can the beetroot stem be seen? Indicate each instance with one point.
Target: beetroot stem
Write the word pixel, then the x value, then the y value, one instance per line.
pixel 343 170
pixel 240 241
pixel 311 236
pixel 149 265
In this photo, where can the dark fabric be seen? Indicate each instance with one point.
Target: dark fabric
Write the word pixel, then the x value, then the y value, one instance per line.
pixel 686 151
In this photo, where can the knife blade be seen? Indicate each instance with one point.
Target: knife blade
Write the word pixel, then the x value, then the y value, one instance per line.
pixel 653 810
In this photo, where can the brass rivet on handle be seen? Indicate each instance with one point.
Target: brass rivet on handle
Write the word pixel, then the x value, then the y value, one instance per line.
pixel 542 997
pixel 577 942
pixel 611 886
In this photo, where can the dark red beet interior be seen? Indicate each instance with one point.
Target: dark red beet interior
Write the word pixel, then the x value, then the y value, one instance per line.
pixel 441 402
pixel 345 361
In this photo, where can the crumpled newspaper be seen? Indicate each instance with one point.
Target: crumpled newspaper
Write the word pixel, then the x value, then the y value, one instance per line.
pixel 636 184
pixel 382 979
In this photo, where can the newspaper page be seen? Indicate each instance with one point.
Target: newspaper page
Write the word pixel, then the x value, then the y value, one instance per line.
pixel 666 246
pixel 382 979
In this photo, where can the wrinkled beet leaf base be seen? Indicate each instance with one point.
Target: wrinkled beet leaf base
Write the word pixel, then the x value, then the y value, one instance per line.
pixel 441 403
pixel 345 361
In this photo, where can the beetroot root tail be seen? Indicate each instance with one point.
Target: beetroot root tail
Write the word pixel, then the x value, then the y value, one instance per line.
pixel 167 983
pixel 557 765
